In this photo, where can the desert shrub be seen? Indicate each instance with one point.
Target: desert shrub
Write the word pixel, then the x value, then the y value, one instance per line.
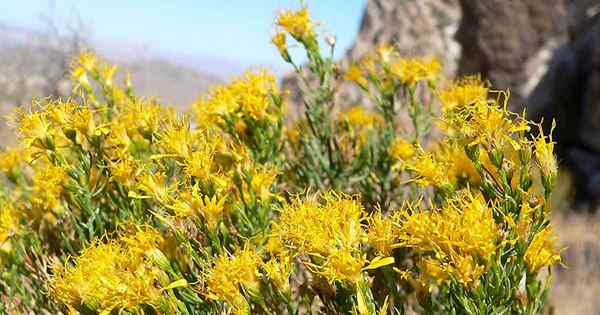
pixel 433 199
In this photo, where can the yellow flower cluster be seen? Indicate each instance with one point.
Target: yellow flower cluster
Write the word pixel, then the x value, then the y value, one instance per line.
pixel 387 68
pixel 457 240
pixel 412 70
pixel 402 150
pixel 381 233
pixel 330 233
pixel 356 125
pixel 544 153
pixel 9 225
pixel 122 274
pixel 232 273
pixel 429 171
pixel 542 252
pixel 47 189
pixel 249 96
pixel 468 112
pixel 297 23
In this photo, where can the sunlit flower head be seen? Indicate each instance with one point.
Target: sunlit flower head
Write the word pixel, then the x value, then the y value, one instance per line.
pixel 542 252
pixel 232 273
pixel 297 23
pixel 412 70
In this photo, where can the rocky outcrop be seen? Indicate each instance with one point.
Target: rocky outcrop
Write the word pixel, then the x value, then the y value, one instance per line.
pixel 570 93
pixel 416 27
pixel 509 42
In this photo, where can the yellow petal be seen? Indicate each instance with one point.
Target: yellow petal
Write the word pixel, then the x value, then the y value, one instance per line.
pixel 378 262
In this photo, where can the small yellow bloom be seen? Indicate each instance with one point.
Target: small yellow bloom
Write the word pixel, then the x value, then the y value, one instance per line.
pixel 358 116
pixel 279 40
pixel 463 93
pixel 47 189
pixel 429 171
pixel 381 233
pixel 542 252
pixel 230 273
pixel 451 238
pixel 279 270
pixel 112 275
pixel 402 150
pixel 9 225
pixel 412 70
pixel 297 23
pixel 11 159
pixel 544 153
pixel 354 74
pixel 331 231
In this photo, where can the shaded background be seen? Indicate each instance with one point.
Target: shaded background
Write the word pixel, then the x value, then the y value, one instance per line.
pixel 547 52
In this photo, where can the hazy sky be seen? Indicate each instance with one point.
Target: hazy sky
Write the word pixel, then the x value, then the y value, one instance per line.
pixel 236 30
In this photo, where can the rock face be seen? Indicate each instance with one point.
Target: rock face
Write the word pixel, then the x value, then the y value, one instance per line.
pixel 506 41
pixel 570 93
pixel 416 27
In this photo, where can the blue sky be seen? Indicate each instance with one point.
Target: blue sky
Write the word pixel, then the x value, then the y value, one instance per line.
pixel 235 30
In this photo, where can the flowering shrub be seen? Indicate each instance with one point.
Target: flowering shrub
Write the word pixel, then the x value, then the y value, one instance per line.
pixel 435 199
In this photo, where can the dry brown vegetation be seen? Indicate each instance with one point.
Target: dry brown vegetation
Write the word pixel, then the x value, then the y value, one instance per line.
pixel 577 282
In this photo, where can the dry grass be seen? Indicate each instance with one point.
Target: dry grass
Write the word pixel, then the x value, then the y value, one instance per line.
pixel 577 283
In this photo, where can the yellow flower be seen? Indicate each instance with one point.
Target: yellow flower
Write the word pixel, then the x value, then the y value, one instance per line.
pixel 156 186
pixel 402 150
pixel 381 233
pixel 248 97
pixel 47 189
pixel 279 270
pixel 429 171
pixel 9 225
pixel 262 182
pixel 279 40
pixel 544 153
pixel 459 166
pixel 360 117
pixel 123 171
pixel 462 93
pixel 11 159
pixel 466 270
pixel 212 210
pixel 296 23
pixel 412 70
pixel 354 74
pixel 113 275
pixel 542 251
pixel 82 120
pixel 464 228
pixel 34 128
pixel 230 273
pixel 200 164
pixel 331 231
pixel 177 139
pixel 107 73
pixel 485 122
pixel 386 53
pixel 87 60
pixel 341 265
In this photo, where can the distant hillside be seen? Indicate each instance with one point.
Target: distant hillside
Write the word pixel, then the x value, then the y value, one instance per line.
pixel 173 84
pixel 33 64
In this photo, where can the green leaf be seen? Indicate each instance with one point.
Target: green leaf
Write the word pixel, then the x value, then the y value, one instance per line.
pixel 176 284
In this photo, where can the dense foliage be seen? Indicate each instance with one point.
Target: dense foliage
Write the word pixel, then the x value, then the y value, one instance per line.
pixel 434 198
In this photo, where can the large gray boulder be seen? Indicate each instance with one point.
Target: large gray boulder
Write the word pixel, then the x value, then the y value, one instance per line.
pixel 506 41
pixel 570 93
